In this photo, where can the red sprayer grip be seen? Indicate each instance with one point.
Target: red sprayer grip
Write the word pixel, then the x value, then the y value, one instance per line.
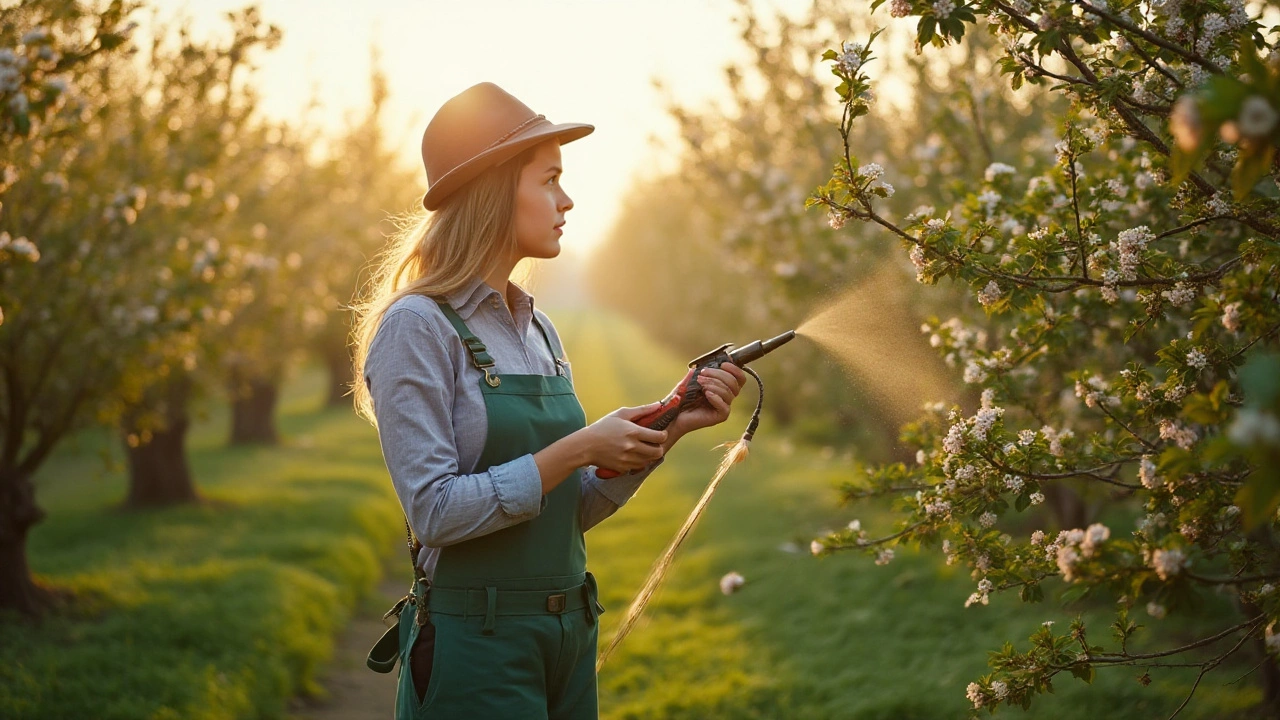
pixel 685 395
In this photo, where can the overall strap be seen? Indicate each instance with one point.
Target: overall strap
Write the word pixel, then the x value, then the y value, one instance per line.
pixel 480 357
pixel 556 354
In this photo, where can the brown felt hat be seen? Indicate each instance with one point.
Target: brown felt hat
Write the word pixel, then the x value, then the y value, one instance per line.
pixel 477 129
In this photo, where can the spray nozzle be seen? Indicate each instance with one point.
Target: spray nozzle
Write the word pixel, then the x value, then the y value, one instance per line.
pixel 758 349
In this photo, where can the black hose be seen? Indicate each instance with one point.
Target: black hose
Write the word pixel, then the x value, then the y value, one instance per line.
pixel 755 416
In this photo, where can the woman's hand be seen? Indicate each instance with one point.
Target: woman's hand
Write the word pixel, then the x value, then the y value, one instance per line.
pixel 720 386
pixel 617 443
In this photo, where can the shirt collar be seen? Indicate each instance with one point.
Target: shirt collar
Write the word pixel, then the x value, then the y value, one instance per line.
pixel 466 299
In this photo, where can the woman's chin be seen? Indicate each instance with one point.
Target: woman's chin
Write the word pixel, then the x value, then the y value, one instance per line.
pixel 551 250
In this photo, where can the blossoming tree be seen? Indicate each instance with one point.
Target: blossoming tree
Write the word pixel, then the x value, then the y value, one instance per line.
pixel 1126 296
pixel 111 184
pixel 41 109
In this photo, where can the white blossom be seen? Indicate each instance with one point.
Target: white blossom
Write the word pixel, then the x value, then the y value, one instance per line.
pixel 985 420
pixel 989 199
pixel 1185 123
pixel 943 8
pixel 996 169
pixel 990 294
pixel 1037 537
pixel 1231 317
pixel 1067 559
pixel 850 57
pixel 885 556
pixel 973 373
pixel 1147 473
pixel 1000 689
pixel 1197 359
pixel 1095 535
pixel 975 695
pixel 1128 248
pixel 900 8
pixel 871 170
pixel 1183 436
pixel 1257 117
pixel 1156 610
pixel 987 519
pixel 815 547
pixel 1168 563
pixel 1254 425
pixel 954 441
pixel 731 582
pixel 1036 498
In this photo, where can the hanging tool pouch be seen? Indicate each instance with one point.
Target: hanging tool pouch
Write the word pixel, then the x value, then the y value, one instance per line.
pixel 392 646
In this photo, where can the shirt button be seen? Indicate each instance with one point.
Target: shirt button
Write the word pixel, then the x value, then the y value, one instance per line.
pixel 494 301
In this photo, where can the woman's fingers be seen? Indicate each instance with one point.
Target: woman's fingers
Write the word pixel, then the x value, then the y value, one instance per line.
pixel 718 402
pixel 730 381
pixel 715 387
pixel 632 413
pixel 650 436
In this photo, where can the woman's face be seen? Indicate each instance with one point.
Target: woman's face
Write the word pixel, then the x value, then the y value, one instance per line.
pixel 541 204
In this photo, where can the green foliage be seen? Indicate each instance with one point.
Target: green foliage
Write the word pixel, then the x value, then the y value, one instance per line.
pixel 1243 108
pixel 1084 301
pixel 805 638
pixel 223 610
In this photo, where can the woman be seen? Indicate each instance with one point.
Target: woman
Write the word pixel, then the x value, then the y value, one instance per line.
pixel 484 438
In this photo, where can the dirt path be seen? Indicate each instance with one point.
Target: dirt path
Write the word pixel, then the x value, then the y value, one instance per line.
pixel 355 691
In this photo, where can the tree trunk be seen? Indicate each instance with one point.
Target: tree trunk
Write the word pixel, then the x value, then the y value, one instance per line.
pixel 253 409
pixel 159 474
pixel 18 514
pixel 1067 506
pixel 337 358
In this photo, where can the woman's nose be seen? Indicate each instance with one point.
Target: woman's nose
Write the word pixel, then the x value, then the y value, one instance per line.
pixel 566 202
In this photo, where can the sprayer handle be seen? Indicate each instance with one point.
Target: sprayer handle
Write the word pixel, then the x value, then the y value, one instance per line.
pixel 686 394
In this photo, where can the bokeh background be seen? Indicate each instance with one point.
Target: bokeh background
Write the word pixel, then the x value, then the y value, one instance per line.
pixel 212 525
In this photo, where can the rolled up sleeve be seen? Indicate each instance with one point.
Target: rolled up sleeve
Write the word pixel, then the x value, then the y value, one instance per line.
pixel 410 376
pixel 602 498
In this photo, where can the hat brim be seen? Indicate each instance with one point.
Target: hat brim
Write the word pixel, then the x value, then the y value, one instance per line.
pixel 500 153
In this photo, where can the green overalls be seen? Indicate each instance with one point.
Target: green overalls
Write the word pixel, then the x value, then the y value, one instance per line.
pixel 514 611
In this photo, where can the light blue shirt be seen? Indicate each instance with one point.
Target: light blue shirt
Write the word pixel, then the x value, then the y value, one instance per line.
pixel 432 421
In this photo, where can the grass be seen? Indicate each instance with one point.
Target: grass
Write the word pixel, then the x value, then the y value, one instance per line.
pixel 225 610
pixel 222 610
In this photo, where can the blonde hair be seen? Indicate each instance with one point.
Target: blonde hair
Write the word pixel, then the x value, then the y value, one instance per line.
pixel 436 253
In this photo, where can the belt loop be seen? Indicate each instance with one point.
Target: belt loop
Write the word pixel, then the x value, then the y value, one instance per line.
pixel 466 604
pixel 491 609
pixel 589 592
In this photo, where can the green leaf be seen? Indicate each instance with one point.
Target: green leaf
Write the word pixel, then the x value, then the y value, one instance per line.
pixel 1260 495
pixel 1032 593
pixel 1022 503
pixel 1249 167
pixel 1084 672
pixel 1181 163
pixel 1220 99
pixel 925 29
pixel 831 54
pixel 1260 380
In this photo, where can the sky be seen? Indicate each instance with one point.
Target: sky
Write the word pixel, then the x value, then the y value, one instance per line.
pixel 590 61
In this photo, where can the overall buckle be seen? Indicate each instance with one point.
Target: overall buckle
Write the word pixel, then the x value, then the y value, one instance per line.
pixel 556 603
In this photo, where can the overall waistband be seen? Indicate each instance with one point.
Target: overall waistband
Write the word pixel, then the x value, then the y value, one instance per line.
pixel 492 601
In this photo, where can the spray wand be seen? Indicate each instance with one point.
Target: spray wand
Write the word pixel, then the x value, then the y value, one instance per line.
pixel 687 395
pixel 688 392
